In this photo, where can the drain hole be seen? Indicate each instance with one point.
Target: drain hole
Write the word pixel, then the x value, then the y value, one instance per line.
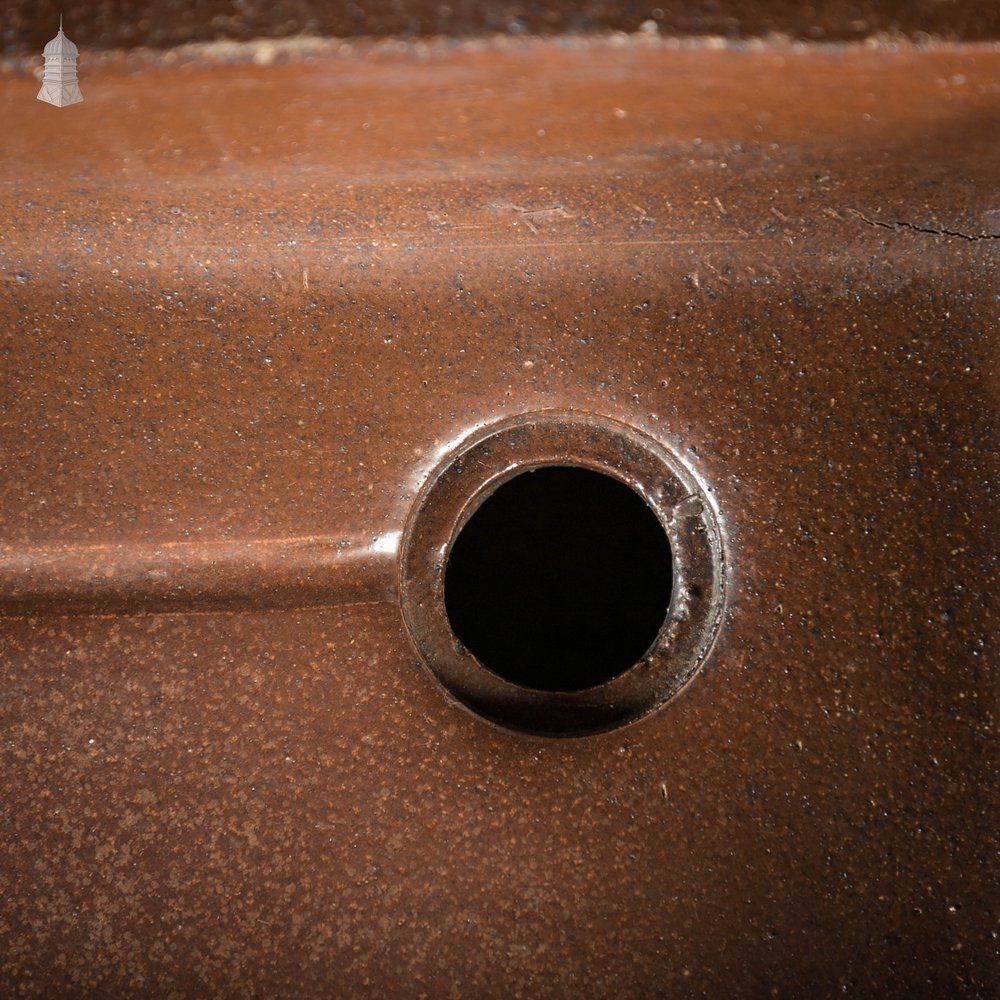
pixel 560 580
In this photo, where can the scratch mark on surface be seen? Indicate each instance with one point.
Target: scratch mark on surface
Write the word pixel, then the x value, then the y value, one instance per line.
pixel 595 242
pixel 643 217
pixel 529 216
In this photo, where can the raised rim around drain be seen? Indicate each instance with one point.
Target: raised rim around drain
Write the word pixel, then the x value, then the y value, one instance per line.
pixel 481 464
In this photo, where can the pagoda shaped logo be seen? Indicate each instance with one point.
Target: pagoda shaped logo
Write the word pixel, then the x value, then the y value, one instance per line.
pixel 59 85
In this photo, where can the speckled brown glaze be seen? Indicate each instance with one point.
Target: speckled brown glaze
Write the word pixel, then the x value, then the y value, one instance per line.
pixel 124 23
pixel 245 312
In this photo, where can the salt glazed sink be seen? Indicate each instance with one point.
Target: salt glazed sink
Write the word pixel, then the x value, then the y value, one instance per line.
pixel 501 519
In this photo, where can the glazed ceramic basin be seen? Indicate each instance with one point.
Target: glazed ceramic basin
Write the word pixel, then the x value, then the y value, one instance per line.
pixel 257 325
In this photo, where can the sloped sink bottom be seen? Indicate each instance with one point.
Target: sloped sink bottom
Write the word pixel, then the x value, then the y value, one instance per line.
pixel 252 316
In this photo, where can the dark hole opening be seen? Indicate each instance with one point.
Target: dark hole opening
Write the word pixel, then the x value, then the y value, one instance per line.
pixel 560 580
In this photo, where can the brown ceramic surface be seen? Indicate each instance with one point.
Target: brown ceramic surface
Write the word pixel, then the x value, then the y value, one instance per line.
pixel 244 313
pixel 28 24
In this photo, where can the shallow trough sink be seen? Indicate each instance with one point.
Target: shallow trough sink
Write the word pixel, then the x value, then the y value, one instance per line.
pixel 272 339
